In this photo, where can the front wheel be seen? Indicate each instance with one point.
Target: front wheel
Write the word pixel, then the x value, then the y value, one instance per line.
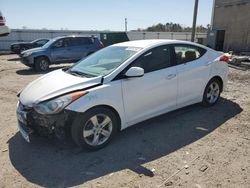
pixel 41 64
pixel 95 128
pixel 212 92
pixel 23 49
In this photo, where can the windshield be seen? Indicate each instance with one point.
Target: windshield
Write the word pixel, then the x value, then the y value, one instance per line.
pixel 51 41
pixel 104 61
pixel 36 40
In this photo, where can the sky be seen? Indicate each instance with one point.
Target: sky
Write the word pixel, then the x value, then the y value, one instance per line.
pixel 102 14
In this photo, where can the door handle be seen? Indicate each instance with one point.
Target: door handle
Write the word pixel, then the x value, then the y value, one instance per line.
pixel 170 76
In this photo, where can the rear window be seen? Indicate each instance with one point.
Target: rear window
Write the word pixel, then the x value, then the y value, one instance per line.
pixel 186 53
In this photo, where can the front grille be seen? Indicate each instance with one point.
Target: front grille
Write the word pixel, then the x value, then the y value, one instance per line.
pixel 25 60
pixel 25 127
pixel 41 124
pixel 44 125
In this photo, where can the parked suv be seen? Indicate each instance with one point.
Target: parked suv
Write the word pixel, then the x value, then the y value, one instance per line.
pixel 22 46
pixel 60 50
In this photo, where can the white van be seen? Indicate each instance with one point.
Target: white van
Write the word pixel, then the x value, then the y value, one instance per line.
pixel 4 30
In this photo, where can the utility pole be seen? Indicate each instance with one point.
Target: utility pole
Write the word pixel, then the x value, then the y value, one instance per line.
pixel 194 19
pixel 126 25
pixel 212 17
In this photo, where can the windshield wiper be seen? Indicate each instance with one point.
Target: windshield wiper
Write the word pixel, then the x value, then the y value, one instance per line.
pixel 79 73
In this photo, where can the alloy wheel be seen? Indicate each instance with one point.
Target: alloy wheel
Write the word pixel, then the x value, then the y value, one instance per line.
pixel 213 92
pixel 44 64
pixel 97 129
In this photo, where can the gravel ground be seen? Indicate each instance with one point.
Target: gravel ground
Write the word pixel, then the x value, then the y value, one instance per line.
pixel 191 147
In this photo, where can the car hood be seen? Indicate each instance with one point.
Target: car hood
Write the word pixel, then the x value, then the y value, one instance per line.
pixel 33 50
pixel 54 84
pixel 20 43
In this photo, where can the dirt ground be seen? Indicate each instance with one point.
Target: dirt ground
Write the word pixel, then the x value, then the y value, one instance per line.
pixel 192 147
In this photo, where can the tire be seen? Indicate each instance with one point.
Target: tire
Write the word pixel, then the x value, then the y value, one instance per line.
pixel 87 130
pixel 41 64
pixel 212 92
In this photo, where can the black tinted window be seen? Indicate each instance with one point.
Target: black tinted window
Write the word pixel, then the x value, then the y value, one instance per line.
pixel 155 59
pixel 77 41
pixel 186 53
pixel 67 42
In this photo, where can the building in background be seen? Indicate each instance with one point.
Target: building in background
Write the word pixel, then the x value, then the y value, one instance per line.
pixel 230 26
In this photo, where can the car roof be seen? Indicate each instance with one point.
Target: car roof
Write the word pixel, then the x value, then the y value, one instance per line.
pixel 41 39
pixel 66 36
pixel 154 42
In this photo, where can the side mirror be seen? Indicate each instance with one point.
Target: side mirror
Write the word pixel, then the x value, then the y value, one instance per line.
pixel 134 72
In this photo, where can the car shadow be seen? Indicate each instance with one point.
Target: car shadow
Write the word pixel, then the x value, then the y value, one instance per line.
pixel 31 71
pixel 51 163
pixel 14 59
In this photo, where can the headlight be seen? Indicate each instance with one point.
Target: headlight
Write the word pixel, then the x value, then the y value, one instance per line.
pixel 57 105
pixel 25 54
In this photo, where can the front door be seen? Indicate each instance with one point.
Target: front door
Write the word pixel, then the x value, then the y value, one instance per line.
pixel 62 51
pixel 153 93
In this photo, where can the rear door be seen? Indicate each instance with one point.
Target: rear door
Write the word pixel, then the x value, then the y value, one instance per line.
pixel 156 91
pixel 83 46
pixel 193 71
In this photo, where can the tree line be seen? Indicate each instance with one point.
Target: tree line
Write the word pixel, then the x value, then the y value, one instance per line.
pixel 173 27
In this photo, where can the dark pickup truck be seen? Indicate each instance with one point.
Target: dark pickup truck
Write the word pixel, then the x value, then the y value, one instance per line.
pixel 22 46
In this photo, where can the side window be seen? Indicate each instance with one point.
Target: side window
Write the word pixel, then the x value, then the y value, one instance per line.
pixel 186 53
pixel 75 41
pixel 58 44
pixel 78 41
pixel 153 60
pixel 85 41
pixel 67 42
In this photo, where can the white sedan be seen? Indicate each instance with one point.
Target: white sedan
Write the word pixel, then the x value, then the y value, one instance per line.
pixel 119 86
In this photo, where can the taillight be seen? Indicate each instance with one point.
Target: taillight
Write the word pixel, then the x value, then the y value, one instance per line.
pixel 2 21
pixel 101 45
pixel 225 58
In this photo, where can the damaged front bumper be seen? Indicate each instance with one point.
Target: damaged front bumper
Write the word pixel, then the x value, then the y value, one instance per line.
pixel 29 122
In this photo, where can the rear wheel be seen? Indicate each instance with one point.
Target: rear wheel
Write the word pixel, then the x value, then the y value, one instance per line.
pixel 95 128
pixel 41 64
pixel 212 92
